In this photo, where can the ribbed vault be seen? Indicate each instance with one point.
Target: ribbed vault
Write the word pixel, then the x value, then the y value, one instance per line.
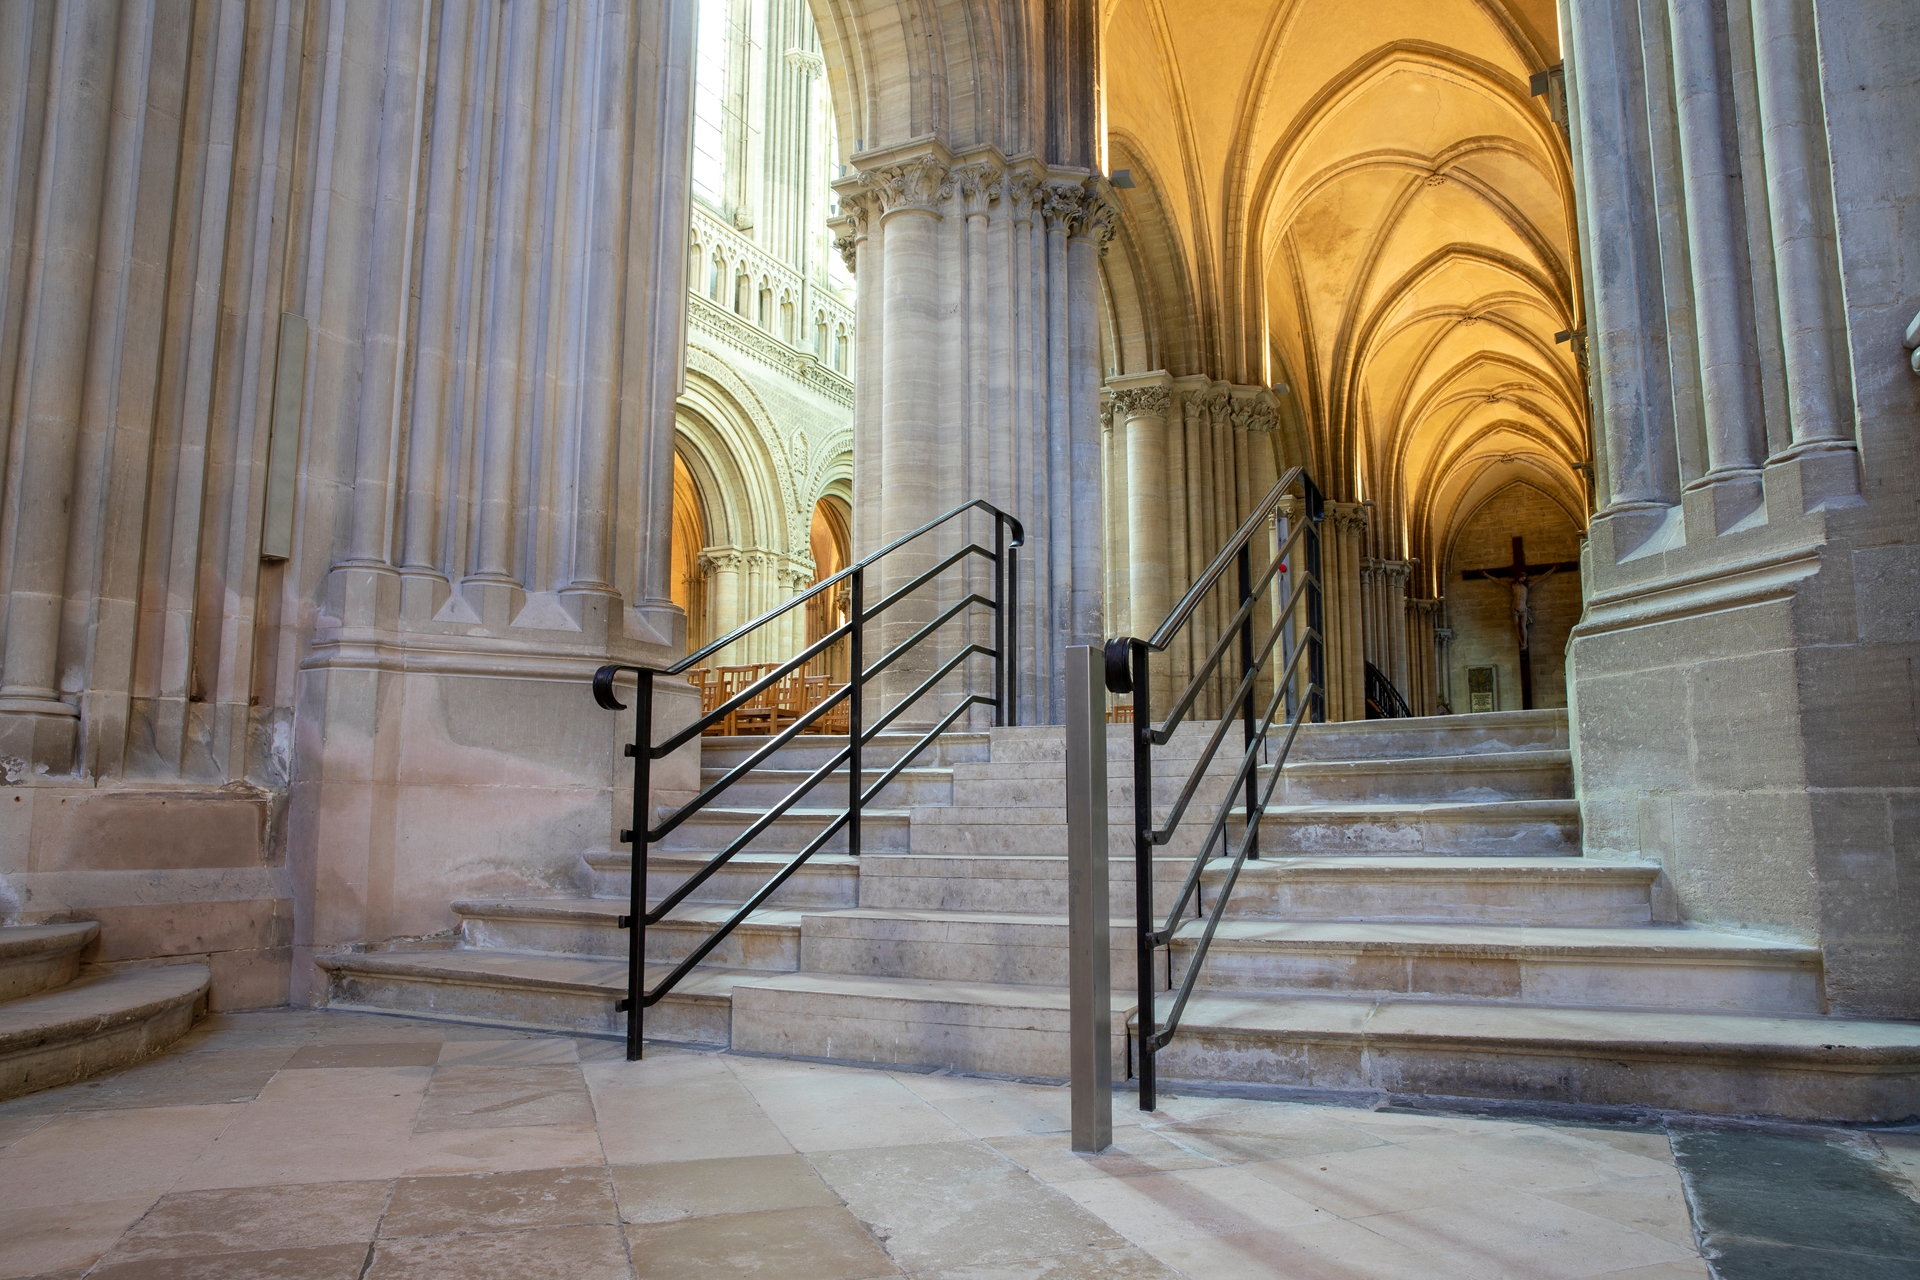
pixel 1368 206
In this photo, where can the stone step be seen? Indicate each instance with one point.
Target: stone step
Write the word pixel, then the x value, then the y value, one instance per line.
pixel 963 1026
pixel 1534 774
pixel 1647 967
pixel 767 787
pixel 40 957
pixel 1808 1067
pixel 524 989
pixel 1486 731
pixel 1491 731
pixel 97 1023
pixel 953 946
pixel 824 880
pixel 1505 828
pixel 1511 891
pixel 768 940
pixel 1455 890
pixel 1038 885
pixel 1516 775
pixel 809 751
pixel 714 828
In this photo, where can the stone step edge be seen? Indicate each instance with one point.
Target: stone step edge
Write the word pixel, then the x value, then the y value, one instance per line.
pixel 1555 809
pixel 1662 1036
pixel 418 966
pixel 45 941
pixel 1523 759
pixel 1562 942
pixel 606 912
pixel 69 1014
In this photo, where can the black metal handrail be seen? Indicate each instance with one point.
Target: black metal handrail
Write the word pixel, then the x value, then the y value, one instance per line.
pixel 1383 699
pixel 1127 671
pixel 1008 534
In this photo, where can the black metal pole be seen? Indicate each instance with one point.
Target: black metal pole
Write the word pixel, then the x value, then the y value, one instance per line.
pixel 1000 622
pixel 1013 635
pixel 1143 869
pixel 856 675
pixel 1246 703
pixel 642 751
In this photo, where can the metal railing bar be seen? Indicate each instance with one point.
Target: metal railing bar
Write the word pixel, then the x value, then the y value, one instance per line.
pixel 925 685
pixel 752 904
pixel 693 659
pixel 1211 574
pixel 971 549
pixel 748 694
pixel 1220 730
pixel 893 771
pixel 922 634
pixel 1228 634
pixel 1179 1005
pixel 741 841
pixel 1219 823
pixel 746 766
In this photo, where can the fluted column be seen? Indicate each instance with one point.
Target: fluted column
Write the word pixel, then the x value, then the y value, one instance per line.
pixel 1716 240
pixel 1141 405
pixel 1806 255
pixel 35 725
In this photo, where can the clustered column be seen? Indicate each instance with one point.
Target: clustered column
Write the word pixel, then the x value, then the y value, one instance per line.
pixel 1721 381
pixel 977 279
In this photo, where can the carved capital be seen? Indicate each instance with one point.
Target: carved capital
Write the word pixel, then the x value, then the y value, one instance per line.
pixel 716 559
pixel 979 186
pixel 1064 204
pixel 806 62
pixel 1098 218
pixel 917 184
pixel 1019 188
pixel 1148 402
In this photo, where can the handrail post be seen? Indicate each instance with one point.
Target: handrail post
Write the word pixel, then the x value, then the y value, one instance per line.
pixel 1143 869
pixel 1089 945
pixel 642 751
pixel 856 676
pixel 1246 702
pixel 1012 633
pixel 999 621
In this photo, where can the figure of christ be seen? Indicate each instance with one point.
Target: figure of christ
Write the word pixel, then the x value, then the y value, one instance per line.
pixel 1520 578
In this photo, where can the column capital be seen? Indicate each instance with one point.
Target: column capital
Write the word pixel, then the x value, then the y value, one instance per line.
pixel 979 185
pixel 919 184
pixel 1135 394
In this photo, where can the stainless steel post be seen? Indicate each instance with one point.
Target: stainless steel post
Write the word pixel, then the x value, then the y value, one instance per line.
pixel 1089 953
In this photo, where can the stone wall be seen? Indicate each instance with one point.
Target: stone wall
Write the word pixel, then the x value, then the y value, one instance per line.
pixel 1746 678
pixel 1480 611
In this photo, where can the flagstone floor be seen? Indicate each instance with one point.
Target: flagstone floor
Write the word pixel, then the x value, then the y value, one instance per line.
pixel 305 1145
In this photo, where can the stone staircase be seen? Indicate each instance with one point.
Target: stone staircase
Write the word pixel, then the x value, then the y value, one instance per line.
pixel 1420 922
pixel 59 1024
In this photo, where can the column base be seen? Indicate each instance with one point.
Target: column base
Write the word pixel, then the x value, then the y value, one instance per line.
pixel 1812 477
pixel 1721 501
pixel 37 736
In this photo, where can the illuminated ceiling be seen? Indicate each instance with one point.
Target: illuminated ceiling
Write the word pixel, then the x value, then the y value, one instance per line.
pixel 1365 203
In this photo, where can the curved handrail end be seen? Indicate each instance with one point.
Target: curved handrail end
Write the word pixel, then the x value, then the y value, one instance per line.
pixel 1119 655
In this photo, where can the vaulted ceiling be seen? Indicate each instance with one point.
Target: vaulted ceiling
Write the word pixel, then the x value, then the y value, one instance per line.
pixel 1366 204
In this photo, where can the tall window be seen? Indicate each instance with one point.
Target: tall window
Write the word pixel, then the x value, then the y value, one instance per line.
pixel 710 102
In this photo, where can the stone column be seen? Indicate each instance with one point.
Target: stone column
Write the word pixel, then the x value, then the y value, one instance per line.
pixel 37 728
pixel 1141 405
pixel 1625 321
pixel 1716 239
pixel 953 243
pixel 1341 558
pixel 1805 250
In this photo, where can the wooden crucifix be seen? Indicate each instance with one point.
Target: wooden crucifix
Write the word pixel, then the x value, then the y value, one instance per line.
pixel 1520 577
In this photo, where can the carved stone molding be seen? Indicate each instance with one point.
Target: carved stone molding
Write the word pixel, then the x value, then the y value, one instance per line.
pixel 1098 220
pixel 1142 401
pixel 806 62
pixel 1064 204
